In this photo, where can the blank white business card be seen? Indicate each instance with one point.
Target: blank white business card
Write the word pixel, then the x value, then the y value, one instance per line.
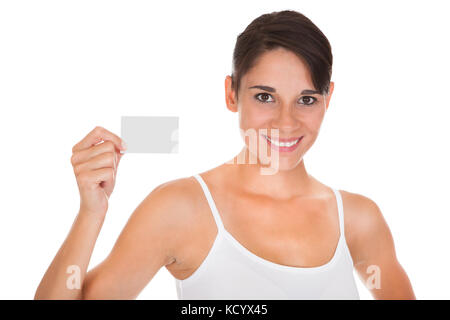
pixel 150 134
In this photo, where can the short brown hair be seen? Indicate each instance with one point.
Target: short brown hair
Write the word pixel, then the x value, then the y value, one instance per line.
pixel 290 30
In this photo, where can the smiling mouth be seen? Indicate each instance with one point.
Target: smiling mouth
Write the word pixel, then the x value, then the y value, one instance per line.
pixel 283 143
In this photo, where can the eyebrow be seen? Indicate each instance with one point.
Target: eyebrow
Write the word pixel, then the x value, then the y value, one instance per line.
pixel 270 89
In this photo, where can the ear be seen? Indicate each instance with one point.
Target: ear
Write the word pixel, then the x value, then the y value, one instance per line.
pixel 230 98
pixel 330 92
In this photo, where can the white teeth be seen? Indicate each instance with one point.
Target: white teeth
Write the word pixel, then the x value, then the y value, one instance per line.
pixel 283 144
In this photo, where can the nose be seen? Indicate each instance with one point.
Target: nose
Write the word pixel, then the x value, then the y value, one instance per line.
pixel 285 119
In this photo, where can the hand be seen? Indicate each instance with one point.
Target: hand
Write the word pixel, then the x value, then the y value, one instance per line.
pixel 95 160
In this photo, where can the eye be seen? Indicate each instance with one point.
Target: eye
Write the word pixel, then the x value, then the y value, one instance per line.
pixel 308 100
pixel 264 95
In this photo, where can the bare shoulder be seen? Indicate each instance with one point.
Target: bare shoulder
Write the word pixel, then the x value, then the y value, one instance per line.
pixel 365 225
pixel 372 248
pixel 176 194
pixel 170 207
pixel 361 212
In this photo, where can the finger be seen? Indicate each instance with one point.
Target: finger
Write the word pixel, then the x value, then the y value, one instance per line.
pixel 98 134
pixel 103 160
pixel 106 179
pixel 87 179
pixel 87 154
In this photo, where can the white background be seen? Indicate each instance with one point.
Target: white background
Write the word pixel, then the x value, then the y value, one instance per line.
pixel 67 66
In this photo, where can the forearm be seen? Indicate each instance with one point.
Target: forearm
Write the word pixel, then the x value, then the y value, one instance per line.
pixel 395 284
pixel 59 282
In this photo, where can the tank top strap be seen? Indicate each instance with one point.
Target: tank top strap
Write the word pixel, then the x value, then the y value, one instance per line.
pixel 340 211
pixel 211 203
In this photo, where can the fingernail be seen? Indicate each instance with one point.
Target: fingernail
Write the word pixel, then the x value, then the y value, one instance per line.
pixel 124 145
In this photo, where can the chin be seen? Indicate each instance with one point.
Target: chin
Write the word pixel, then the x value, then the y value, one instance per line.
pixel 287 165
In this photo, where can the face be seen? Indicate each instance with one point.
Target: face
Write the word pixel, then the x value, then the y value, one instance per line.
pixel 278 93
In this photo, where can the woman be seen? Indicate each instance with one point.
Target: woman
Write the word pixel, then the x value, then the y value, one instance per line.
pixel 237 231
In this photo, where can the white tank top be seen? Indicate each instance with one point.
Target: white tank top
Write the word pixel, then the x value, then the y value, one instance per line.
pixel 230 271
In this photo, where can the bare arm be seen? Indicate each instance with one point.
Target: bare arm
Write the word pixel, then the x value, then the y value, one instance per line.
pixel 146 243
pixel 94 159
pixel 373 251
pixel 71 259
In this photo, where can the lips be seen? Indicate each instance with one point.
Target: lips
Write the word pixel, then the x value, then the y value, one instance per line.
pixel 288 145
pixel 284 140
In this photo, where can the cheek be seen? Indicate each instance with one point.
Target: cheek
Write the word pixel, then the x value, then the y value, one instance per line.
pixel 250 117
pixel 312 122
pixel 311 129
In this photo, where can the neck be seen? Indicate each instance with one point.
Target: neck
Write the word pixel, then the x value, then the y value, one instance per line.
pixel 283 184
